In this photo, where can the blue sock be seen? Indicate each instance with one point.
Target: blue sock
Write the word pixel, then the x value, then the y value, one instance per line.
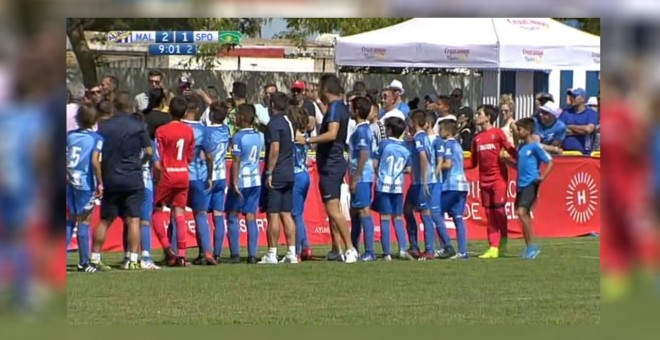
pixel 204 231
pixel 70 225
pixel 171 232
pixel 356 229
pixel 253 237
pixel 369 237
pixel 145 241
pixel 233 234
pixel 412 229
pixel 386 235
pixel 439 220
pixel 84 244
pixel 218 235
pixel 429 233
pixel 400 231
pixel 301 233
pixel 461 234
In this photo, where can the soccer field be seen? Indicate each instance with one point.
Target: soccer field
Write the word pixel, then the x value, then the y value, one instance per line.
pixel 562 286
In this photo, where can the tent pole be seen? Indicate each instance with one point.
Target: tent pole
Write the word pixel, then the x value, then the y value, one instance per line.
pixel 499 89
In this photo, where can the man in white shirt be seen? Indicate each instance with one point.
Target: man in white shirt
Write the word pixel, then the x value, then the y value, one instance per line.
pixel 76 95
pixel 155 79
pixel 391 105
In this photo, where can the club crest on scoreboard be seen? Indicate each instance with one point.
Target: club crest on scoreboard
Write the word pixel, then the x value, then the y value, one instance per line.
pixel 119 37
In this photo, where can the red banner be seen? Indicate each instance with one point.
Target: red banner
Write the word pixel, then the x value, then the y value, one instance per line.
pixel 569 206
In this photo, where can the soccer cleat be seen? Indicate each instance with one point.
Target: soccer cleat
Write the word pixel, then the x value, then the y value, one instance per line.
pixel 268 259
pixel 351 256
pixel 426 256
pixel 504 247
pixel 404 255
pixel 447 253
pixel 387 257
pixel 148 265
pixel 439 253
pixel 234 259
pixel 334 256
pixel 181 262
pixel 292 259
pixel 367 258
pixel 491 253
pixel 170 256
pixel 129 265
pixel 415 253
pixel 306 254
pixel 100 266
pixel 252 260
pixel 199 261
pixel 532 252
pixel 460 256
pixel 87 268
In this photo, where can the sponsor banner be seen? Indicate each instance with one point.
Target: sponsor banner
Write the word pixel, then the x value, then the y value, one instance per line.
pixel 568 206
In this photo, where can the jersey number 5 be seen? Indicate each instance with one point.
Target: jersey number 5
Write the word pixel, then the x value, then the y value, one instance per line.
pixel 74 156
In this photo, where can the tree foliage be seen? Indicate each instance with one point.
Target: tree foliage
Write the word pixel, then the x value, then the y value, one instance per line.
pixel 298 29
pixel 590 25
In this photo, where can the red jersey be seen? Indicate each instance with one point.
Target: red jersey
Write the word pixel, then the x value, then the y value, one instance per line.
pixel 176 148
pixel 486 149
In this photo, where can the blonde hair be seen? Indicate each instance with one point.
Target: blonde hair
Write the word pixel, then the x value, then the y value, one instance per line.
pixel 507 99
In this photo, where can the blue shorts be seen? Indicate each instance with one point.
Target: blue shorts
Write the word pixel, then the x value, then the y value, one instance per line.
pixel 436 197
pixel 218 194
pixel 247 204
pixel 148 206
pixel 362 197
pixel 388 203
pixel 453 202
pixel 300 190
pixel 79 202
pixel 199 198
pixel 418 199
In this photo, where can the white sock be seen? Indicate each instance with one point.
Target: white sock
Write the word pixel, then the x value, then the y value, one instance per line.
pixel 272 252
pixel 96 257
pixel 133 257
pixel 145 254
pixel 292 250
pixel 127 255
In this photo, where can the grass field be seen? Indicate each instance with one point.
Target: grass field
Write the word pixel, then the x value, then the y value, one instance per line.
pixel 560 287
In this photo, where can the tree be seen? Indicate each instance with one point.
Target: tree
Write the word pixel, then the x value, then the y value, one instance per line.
pixel 590 25
pixel 298 29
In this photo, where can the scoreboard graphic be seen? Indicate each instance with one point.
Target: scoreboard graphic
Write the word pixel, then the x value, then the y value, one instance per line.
pixel 174 42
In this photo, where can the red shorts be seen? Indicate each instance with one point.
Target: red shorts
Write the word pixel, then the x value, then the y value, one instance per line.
pixel 175 197
pixel 494 195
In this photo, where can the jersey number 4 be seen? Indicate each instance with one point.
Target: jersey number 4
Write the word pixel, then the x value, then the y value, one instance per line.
pixel 395 166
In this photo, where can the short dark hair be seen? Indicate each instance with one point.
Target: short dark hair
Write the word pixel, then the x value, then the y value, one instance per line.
pixel 298 117
pixel 446 100
pixel 527 124
pixel 212 91
pixel 359 87
pixel 123 102
pixel 105 107
pixel 450 125
pixel 430 117
pixel 192 103
pixel 330 83
pixel 269 86
pixel 218 111
pixel 394 127
pixel 155 73
pixel 156 97
pixel 113 80
pixel 491 111
pixel 86 116
pixel 279 101
pixel 247 113
pixel 178 107
pixel 362 107
pixel 239 90
pixel 418 117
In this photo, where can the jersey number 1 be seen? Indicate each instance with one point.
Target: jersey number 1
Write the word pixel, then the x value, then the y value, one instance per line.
pixel 179 149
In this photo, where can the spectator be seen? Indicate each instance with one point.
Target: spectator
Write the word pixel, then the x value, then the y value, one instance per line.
pixel 549 130
pixel 238 96
pixel 297 94
pixel 155 80
pixel 263 108
pixel 507 120
pixel 580 122
pixel 541 99
pixel 443 111
pixel 123 102
pixel 396 91
pixel 94 95
pixel 154 114
pixel 466 130
pixel 431 103
pixel 390 106
pixel 109 86
pixel 184 86
pixel 76 94
pixel 377 126
pixel 594 104
pixel 458 107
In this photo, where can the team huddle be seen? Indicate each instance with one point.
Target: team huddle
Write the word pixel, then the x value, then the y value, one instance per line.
pixel 183 164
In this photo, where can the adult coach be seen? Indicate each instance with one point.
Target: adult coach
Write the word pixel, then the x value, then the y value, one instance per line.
pixel 279 180
pixel 124 138
pixel 332 164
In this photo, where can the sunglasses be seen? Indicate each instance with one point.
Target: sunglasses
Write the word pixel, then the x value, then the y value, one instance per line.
pixel 296 91
pixel 94 92
pixel 457 95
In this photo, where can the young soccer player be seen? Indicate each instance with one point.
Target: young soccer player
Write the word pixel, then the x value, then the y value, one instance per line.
pixel 83 151
pixel 392 161
pixel 176 147
pixel 301 184
pixel 245 191
pixel 454 187
pixel 530 177
pixel 216 146
pixel 361 145
pixel 199 196
pixel 419 196
pixel 146 217
pixel 493 177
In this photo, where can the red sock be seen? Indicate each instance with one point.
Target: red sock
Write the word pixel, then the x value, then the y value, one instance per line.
pixel 159 229
pixel 493 229
pixel 181 231
pixel 502 221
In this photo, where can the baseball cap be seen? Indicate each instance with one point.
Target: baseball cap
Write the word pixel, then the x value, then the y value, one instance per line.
pixel 447 117
pixel 550 107
pixel 432 97
pixel 185 80
pixel 396 85
pixel 577 92
pixel 545 96
pixel 593 101
pixel 298 84
pixel 396 113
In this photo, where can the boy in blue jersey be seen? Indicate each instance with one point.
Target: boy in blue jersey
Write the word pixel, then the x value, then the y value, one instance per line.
pixel 454 188
pixel 301 184
pixel 199 196
pixel 243 196
pixel 146 214
pixel 83 153
pixel 530 157
pixel 392 161
pixel 419 196
pixel 215 147
pixel 361 145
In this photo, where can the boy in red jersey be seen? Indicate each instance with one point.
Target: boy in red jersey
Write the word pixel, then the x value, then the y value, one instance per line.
pixel 176 146
pixel 493 176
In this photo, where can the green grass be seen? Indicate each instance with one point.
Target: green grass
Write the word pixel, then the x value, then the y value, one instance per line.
pixel 560 287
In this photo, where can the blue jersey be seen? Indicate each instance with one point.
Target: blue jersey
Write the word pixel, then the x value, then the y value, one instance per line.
pixel 530 157
pixel 393 157
pixel 455 179
pixel 197 168
pixel 421 144
pixel 147 168
pixel 361 140
pixel 80 146
pixel 438 146
pixel 216 144
pixel 300 158
pixel 248 144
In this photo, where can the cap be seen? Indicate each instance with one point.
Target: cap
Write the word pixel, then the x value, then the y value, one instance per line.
pixel 578 92
pixel 550 107
pixel 396 113
pixel 545 96
pixel 447 117
pixel 298 84
pixel 432 97
pixel 185 80
pixel 396 85
pixel 593 101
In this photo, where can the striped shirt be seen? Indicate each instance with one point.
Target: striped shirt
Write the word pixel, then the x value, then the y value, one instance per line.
pixel 455 179
pixel 393 157
pixel 247 144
